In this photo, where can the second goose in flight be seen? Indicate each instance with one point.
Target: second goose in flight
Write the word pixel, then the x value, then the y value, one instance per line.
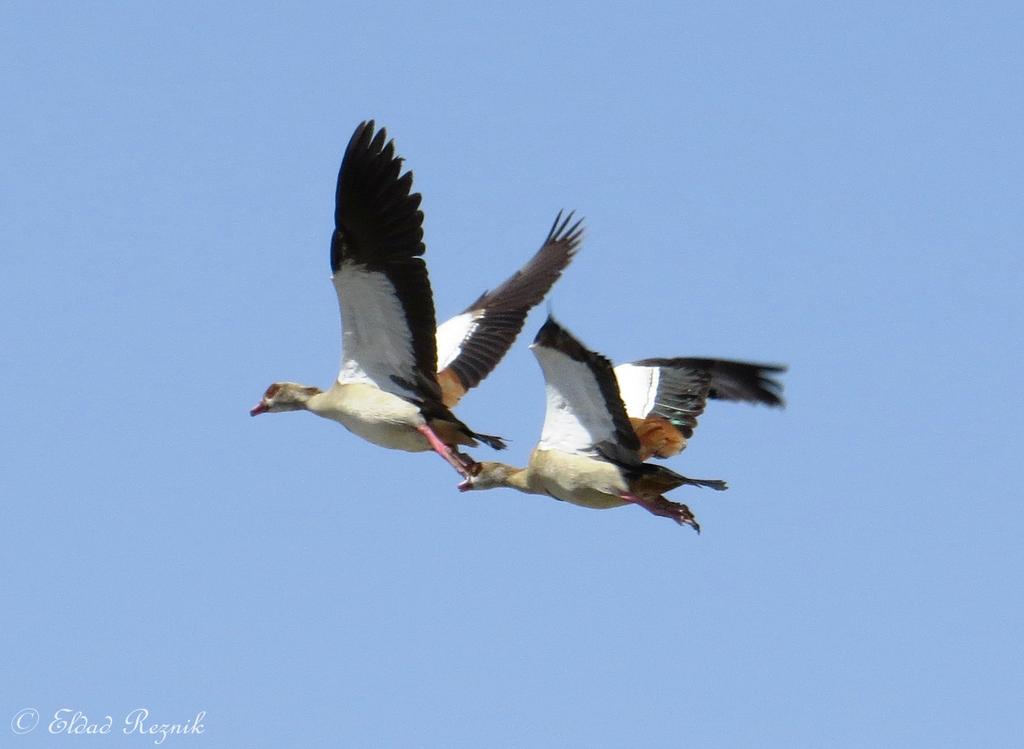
pixel 589 452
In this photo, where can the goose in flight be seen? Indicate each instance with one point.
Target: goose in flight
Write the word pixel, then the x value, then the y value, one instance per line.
pixel 602 423
pixel 390 390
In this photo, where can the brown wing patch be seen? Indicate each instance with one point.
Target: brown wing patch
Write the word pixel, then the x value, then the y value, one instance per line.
pixel 658 437
pixel 452 388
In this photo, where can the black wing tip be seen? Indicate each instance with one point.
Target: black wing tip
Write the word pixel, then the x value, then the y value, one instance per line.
pixel 368 143
pixel 368 146
pixel 364 127
pixel 757 386
pixel 362 139
pixel 768 395
pixel 733 380
pixel 562 243
pixel 764 389
pixel 564 231
pixel 374 201
pixel 530 284
pixel 503 311
pixel 554 335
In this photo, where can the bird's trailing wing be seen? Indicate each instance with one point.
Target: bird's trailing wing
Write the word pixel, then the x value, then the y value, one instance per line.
pixel 665 397
pixel 472 343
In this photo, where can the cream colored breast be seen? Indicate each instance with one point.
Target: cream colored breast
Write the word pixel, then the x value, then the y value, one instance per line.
pixel 376 416
pixel 576 479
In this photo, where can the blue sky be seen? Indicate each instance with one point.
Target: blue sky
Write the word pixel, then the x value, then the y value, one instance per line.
pixel 836 188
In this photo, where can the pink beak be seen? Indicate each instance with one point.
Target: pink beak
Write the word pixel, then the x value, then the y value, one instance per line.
pixel 259 408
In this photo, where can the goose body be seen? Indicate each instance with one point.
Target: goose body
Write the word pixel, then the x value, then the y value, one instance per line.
pixel 570 478
pixel 378 417
pixel 577 479
pixel 389 390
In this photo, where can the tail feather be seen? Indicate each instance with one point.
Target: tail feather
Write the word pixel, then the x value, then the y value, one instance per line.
pixel 707 483
pixel 490 440
pixel 655 479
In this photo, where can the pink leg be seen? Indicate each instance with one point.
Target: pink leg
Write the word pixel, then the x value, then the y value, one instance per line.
pixel 455 460
pixel 664 508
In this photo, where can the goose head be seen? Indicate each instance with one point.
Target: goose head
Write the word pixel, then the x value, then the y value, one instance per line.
pixel 490 475
pixel 284 396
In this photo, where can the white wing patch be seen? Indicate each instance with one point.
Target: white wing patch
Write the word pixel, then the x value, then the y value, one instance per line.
pixel 376 343
pixel 638 387
pixel 576 417
pixel 453 333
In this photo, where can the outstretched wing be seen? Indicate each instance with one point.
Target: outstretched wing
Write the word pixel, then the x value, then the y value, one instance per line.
pixel 472 343
pixel 584 412
pixel 665 397
pixel 732 380
pixel 387 308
